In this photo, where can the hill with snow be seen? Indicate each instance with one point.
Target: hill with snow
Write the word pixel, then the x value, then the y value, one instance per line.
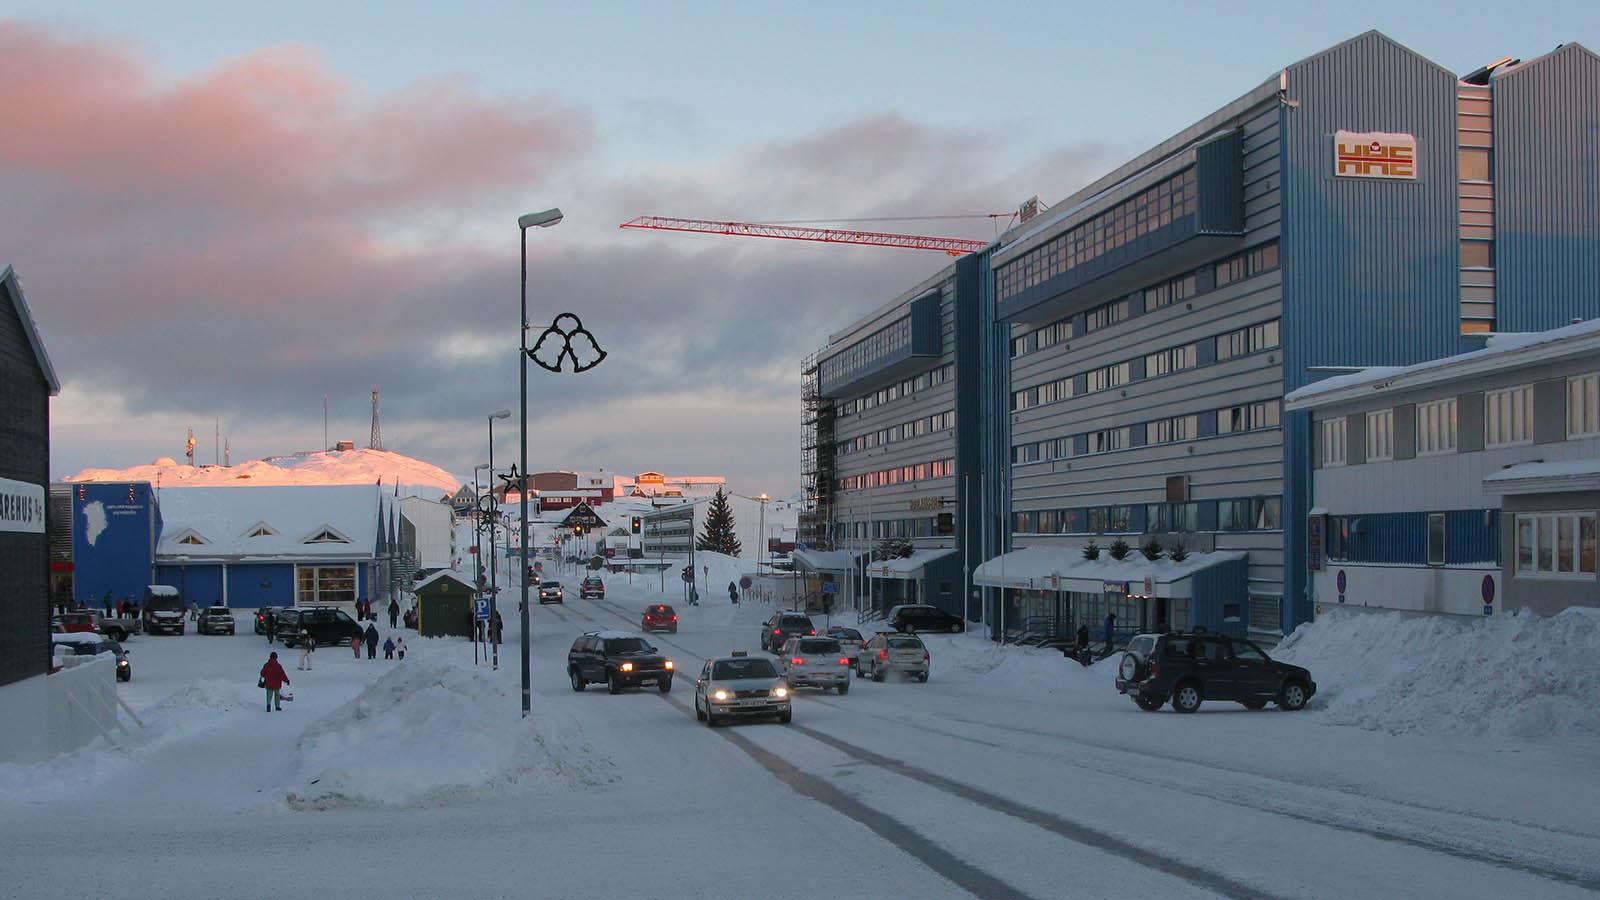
pixel 326 467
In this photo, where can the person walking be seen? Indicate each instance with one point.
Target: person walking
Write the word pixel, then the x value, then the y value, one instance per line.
pixel 273 678
pixel 1111 631
pixel 1083 643
pixel 394 614
pixel 355 645
pixel 308 646
pixel 372 641
pixel 496 626
pixel 400 646
pixel 194 611
pixel 388 648
pixel 733 593
pixel 107 601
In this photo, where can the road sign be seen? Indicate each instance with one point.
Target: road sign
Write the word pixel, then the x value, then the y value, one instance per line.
pixel 830 587
pixel 473 550
pixel 480 607
pixel 745 582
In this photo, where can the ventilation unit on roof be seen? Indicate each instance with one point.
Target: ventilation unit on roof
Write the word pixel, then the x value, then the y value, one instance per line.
pixel 1481 76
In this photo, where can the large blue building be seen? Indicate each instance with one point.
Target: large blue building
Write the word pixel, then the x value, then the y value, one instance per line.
pixel 1120 361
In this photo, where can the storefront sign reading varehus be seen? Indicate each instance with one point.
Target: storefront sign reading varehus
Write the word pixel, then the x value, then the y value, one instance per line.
pixel 1374 154
pixel 21 506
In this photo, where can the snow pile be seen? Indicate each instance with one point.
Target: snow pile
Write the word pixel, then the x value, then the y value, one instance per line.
pixel 435 732
pixel 1511 676
pixel 415 477
pixel 972 656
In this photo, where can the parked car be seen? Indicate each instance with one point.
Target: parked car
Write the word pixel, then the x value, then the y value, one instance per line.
pixel 817 662
pixel 550 592
pixel 80 621
pixel 659 617
pixel 618 660
pixel 740 686
pixel 328 626
pixel 592 588
pixel 266 619
pixel 912 617
pixel 163 610
pixel 890 651
pixel 784 625
pixel 215 620
pixel 1191 667
pixel 84 644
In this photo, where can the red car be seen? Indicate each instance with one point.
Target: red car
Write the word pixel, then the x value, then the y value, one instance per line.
pixel 659 617
pixel 80 621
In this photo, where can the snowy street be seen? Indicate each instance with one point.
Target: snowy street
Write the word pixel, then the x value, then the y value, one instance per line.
pixel 1012 773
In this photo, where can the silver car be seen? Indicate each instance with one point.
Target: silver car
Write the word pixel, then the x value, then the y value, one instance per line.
pixel 740 687
pixel 817 662
pixel 890 651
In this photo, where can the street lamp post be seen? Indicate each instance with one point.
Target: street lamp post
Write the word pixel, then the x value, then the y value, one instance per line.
pixel 494 586
pixel 762 550
pixel 532 220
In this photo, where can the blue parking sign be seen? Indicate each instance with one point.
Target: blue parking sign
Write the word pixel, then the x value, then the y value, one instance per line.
pixel 480 608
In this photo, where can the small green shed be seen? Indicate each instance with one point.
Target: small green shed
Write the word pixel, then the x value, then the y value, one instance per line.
pixel 444 604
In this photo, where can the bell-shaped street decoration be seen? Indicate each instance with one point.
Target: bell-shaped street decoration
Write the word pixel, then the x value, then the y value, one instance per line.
pixel 566 338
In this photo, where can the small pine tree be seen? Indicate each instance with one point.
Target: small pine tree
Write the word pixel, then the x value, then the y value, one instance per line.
pixel 892 548
pixel 1151 550
pixel 718 536
pixel 1120 549
pixel 1177 552
pixel 1091 550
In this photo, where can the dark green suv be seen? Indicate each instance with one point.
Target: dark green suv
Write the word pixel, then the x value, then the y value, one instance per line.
pixel 617 659
pixel 1188 668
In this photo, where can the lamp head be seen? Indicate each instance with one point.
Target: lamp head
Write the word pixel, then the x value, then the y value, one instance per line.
pixel 502 414
pixel 539 219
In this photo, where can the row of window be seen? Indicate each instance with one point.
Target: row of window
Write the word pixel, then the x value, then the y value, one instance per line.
pixel 1233 344
pixel 1238 514
pixel 1556 544
pixel 906 388
pixel 1150 209
pixel 1223 272
pixel 939 468
pixel 902 432
pixel 1507 422
pixel 1229 420
pixel 881 344
pixel 878 529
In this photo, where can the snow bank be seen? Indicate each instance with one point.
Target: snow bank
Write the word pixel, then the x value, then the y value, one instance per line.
pixel 1510 676
pixel 435 732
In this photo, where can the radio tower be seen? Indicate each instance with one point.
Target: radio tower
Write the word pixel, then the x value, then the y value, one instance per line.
pixel 377 435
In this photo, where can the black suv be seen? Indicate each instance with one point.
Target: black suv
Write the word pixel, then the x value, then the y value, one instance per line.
pixel 617 660
pixel 921 617
pixel 1189 667
pixel 326 624
pixel 266 619
pixel 784 625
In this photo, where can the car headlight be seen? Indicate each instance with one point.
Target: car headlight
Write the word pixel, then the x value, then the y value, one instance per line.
pixel 719 696
pixel 780 692
pixel 627 667
pixel 669 665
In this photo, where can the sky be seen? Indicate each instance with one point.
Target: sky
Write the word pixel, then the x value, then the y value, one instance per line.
pixel 222 215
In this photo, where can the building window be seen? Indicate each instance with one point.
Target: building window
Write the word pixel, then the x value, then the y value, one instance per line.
pixel 325 586
pixel 1177 428
pixel 1247 340
pixel 1436 539
pixel 1109 377
pixel 326 536
pixel 1508 418
pixel 1267 513
pixel 1234 515
pixel 1380 435
pixel 1583 405
pixel 1475 164
pixel 1108 440
pixel 1230 270
pixel 1161 517
pixel 1477 254
pixel 1436 427
pixel 1333 448
pixel 1024 523
pixel 1174 360
pixel 1107 315
pixel 1556 544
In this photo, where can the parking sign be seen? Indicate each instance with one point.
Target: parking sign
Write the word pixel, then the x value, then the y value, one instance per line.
pixel 480 607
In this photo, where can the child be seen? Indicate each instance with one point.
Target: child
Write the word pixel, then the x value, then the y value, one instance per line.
pixel 400 646
pixel 388 649
pixel 307 646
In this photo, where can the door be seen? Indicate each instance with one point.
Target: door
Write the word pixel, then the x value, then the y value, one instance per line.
pixel 1215 665
pixel 1253 673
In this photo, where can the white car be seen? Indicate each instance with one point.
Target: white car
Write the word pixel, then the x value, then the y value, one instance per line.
pixel 816 662
pixel 890 651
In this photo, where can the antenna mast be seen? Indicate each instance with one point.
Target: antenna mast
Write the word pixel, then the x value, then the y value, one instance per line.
pixel 376 443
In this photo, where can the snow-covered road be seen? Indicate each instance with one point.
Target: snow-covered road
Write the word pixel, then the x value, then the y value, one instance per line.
pixel 1010 774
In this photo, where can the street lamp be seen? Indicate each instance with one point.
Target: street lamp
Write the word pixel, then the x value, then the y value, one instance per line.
pixel 763 549
pixel 532 220
pixel 494 588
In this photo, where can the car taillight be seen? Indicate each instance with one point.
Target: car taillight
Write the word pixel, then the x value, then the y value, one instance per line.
pixel 674 618
pixel 777 631
pixel 1155 670
pixel 883 654
pixel 797 661
pixel 924 656
pixel 843 661
pixel 813 632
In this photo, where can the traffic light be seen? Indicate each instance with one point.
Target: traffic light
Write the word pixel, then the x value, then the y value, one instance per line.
pixel 638 524
pixel 577 530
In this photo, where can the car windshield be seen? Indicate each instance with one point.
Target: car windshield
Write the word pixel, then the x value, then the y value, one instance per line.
pixel 661 610
pixel 796 622
pixel 164 604
pixel 552 584
pixel 1142 645
pixel 904 643
pixel 628 645
pixel 814 647
pixel 846 633
pixel 732 669
pixel 217 610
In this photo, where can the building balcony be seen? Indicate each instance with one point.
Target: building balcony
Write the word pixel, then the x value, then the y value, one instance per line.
pixel 907 346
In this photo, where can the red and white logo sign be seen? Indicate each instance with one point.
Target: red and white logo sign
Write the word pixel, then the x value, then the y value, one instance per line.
pixel 1375 154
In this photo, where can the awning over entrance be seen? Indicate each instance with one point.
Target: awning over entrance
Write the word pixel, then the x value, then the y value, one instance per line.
pixel 833 562
pixel 1065 569
pixel 908 567
pixel 1545 477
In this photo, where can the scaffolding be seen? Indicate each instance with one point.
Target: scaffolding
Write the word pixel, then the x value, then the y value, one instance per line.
pixel 817 474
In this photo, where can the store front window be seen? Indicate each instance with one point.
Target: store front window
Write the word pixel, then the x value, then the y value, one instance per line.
pixel 325 586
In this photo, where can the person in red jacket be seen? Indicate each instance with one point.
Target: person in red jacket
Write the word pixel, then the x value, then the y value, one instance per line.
pixel 273 678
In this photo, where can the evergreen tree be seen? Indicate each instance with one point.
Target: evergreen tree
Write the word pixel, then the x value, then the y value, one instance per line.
pixel 718 536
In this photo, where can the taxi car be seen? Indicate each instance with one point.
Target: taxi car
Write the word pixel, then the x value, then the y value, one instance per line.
pixel 740 686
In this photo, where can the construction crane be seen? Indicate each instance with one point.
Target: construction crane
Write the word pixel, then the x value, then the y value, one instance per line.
pixel 794 232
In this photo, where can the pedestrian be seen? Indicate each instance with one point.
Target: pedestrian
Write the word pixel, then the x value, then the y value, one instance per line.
pixel 121 605
pixel 273 678
pixel 372 641
pixel 497 626
pixel 107 601
pixel 1111 631
pixel 400 646
pixel 388 648
pixel 1083 643
pixel 194 611
pixel 355 645
pixel 394 614
pixel 733 593
pixel 308 646
pixel 271 628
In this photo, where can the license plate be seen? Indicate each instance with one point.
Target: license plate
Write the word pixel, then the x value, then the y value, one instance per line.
pixel 647 681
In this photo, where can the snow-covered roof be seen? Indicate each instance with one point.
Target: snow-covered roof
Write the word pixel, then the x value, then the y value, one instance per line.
pixel 442 574
pixel 826 560
pixel 13 286
pixel 161 590
pixel 1065 569
pixel 907 566
pixel 1545 477
pixel 1502 352
pixel 335 521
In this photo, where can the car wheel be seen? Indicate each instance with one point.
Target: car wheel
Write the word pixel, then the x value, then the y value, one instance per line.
pixel 664 685
pixel 955 627
pixel 577 679
pixel 699 714
pixel 844 688
pixel 614 683
pixel 1186 699
pixel 1253 704
pixel 785 718
pixel 1292 697
pixel 711 718
pixel 877 674
pixel 1148 704
pixel 923 678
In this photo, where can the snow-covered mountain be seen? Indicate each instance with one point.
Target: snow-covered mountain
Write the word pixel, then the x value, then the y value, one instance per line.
pixel 416 477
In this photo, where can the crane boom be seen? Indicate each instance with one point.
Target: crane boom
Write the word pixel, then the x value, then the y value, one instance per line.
pixel 949 245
